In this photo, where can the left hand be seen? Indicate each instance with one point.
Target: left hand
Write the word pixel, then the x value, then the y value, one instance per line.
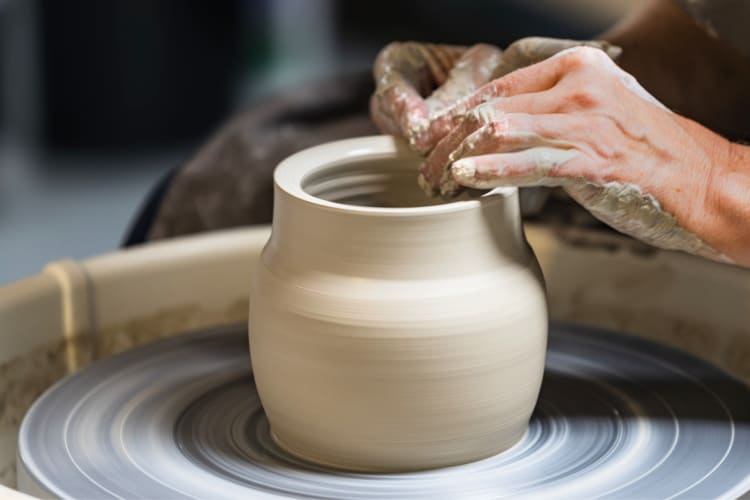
pixel 576 120
pixel 418 82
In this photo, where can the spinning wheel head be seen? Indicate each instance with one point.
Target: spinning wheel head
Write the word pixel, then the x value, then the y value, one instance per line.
pixel 617 416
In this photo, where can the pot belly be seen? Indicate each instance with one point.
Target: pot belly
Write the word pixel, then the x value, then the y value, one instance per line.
pixel 379 376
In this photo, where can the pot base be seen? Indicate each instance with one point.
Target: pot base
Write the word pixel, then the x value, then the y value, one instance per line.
pixel 395 463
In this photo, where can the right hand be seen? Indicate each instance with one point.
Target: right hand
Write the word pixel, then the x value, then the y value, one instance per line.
pixel 422 89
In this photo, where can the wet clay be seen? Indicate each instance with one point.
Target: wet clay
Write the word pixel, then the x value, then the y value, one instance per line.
pixel 387 336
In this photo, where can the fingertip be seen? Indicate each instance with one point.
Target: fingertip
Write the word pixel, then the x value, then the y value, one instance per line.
pixel 464 171
pixel 470 173
pixel 426 187
pixel 419 140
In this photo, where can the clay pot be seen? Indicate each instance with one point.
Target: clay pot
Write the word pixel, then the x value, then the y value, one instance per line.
pixel 390 332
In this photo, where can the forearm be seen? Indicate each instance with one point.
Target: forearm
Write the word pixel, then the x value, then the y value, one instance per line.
pixel 701 78
pixel 692 73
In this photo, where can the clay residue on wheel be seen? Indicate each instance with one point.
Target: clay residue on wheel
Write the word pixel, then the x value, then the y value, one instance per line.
pixel 24 378
pixel 165 323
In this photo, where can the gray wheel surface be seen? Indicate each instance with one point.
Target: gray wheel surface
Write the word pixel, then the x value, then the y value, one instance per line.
pixel 618 416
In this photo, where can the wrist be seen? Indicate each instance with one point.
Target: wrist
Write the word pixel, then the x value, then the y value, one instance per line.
pixel 727 225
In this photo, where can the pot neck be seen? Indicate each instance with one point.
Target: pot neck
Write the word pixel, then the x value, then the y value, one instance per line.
pixel 449 240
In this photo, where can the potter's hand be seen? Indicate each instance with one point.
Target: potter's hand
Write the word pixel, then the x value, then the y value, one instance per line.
pixel 578 121
pixel 405 73
pixel 421 87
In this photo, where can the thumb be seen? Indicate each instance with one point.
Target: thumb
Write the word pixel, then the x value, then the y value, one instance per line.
pixel 539 166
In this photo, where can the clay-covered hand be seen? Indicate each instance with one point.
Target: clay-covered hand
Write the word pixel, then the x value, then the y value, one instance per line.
pixel 418 82
pixel 576 120
pixel 421 88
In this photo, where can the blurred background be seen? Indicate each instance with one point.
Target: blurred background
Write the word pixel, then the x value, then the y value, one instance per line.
pixel 99 99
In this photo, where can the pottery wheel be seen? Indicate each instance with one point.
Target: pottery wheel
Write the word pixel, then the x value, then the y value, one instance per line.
pixel 618 416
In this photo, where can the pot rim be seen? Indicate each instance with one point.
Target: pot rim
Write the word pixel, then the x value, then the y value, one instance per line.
pixel 292 172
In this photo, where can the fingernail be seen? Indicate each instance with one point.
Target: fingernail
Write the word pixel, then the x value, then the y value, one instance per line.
pixel 456 155
pixel 463 169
